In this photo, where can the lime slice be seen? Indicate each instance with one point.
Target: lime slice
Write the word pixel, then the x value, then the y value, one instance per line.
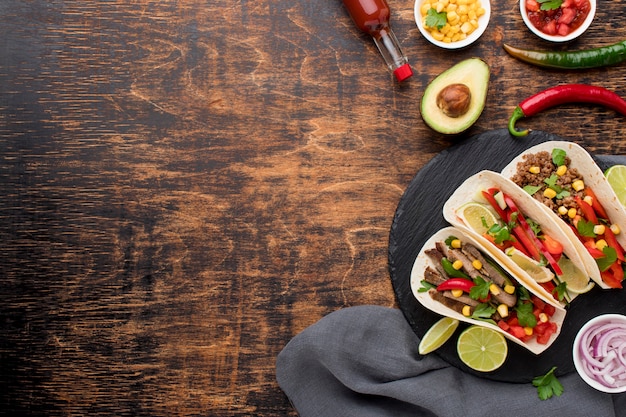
pixel 437 335
pixel 539 273
pixel 481 348
pixel 616 176
pixel 477 217
pixel 578 281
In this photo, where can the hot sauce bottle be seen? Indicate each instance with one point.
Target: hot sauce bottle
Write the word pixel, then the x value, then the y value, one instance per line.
pixel 372 17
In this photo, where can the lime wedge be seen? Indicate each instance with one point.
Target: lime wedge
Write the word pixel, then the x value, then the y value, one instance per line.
pixel 539 273
pixel 477 217
pixel 482 349
pixel 578 281
pixel 437 335
pixel 616 176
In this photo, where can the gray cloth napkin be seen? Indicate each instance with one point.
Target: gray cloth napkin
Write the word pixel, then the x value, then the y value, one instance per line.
pixel 363 361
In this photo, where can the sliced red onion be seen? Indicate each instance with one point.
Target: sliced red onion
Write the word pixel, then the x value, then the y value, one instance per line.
pixel 603 353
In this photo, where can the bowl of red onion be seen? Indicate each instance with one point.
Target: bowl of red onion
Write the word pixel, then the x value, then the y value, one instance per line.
pixel 600 353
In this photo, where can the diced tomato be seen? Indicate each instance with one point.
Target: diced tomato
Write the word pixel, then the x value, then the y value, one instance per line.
pixel 549 309
pixel 532 5
pixel 550 28
pixel 517 331
pixel 544 338
pixel 512 321
pixel 503 325
pixel 538 302
pixel 567 15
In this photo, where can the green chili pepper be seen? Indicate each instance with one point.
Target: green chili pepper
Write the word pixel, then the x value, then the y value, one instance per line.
pixel 572 60
pixel 447 266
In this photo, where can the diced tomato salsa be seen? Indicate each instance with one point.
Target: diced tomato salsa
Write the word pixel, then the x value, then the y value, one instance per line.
pixel 561 21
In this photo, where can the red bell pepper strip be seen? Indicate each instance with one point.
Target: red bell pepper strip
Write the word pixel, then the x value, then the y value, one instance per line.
pixel 489 196
pixel 613 276
pixel 597 207
pixel 588 213
pixel 456 284
pixel 611 240
pixel 563 94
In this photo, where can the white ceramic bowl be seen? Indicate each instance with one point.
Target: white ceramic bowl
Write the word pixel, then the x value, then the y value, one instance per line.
pixel 553 38
pixel 606 318
pixel 483 21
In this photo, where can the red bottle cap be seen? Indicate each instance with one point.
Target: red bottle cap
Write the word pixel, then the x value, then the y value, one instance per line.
pixel 403 72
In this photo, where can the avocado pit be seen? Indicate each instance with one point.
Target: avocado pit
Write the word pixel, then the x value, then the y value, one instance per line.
pixel 454 100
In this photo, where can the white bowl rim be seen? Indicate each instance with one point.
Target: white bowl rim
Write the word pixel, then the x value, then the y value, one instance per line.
pixel 581 29
pixel 474 36
pixel 576 355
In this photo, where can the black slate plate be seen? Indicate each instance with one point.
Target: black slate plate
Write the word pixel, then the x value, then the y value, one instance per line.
pixel 419 216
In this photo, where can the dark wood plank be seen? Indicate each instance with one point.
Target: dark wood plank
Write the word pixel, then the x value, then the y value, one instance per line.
pixel 187 185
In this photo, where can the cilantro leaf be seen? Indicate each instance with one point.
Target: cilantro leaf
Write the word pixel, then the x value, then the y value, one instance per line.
pixel 558 155
pixel 551 182
pixel 483 311
pixel 532 189
pixel 585 228
pixel 609 258
pixel 525 314
pixel 436 19
pixel 560 290
pixel 550 4
pixel 548 385
pixel 480 290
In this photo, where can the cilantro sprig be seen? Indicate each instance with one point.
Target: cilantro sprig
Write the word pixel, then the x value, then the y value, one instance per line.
pixel 550 4
pixel 435 19
pixel 548 385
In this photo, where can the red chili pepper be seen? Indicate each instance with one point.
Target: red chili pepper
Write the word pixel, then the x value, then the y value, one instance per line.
pixel 613 276
pixel 563 94
pixel 456 284
pixel 489 196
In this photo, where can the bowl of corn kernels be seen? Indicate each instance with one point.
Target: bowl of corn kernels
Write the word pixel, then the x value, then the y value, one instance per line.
pixel 452 24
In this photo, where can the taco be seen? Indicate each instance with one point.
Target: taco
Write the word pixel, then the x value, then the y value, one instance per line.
pixel 454 276
pixel 574 191
pixel 517 231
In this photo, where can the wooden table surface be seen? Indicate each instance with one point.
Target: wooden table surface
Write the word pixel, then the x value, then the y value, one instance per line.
pixel 186 185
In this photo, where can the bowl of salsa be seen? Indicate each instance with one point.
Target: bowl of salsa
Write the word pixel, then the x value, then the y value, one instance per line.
pixel 558 20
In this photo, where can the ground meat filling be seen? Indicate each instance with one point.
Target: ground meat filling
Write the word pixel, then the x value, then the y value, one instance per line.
pixel 543 160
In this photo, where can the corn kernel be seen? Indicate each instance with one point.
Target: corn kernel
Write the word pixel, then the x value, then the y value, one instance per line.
pixel 561 170
pixel 601 244
pixel 578 185
pixel 503 310
pixel 543 317
pixel 467 311
pixel 425 8
pixel 493 288
pixel 549 193
pixel 436 35
pixel 534 169
pixel 562 210
pixel 571 213
pixel 588 199
pixel 599 229
pixel 615 229
pixel 457 265
pixel 457 293
pixel 452 16
pixel 456 243
pixel 528 331
pixel 477 264
pixel 439 7
pixel 509 289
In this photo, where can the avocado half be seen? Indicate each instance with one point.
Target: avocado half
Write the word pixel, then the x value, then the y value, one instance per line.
pixel 454 100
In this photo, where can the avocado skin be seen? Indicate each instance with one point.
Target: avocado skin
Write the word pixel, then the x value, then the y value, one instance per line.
pixel 472 72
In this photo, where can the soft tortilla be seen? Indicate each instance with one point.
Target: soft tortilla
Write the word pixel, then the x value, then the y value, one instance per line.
pixel 417 275
pixel 594 178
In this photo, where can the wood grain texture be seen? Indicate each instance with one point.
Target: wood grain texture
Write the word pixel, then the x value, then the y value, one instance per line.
pixel 186 185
